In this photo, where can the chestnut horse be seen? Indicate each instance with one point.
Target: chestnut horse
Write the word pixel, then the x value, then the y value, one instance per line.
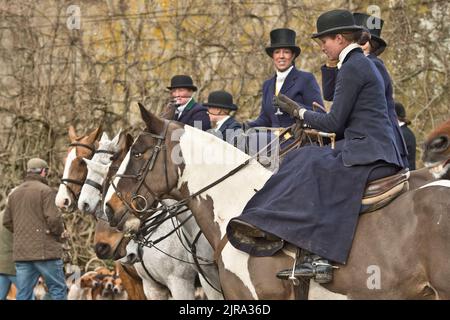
pixel 75 168
pixel 436 156
pixel 75 172
pixel 401 251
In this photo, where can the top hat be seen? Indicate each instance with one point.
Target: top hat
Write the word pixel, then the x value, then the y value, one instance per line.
pixel 181 81
pixel 373 24
pixel 220 99
pixel 335 21
pixel 36 163
pixel 283 38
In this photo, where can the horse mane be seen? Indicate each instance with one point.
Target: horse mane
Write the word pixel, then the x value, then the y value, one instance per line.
pixel 208 158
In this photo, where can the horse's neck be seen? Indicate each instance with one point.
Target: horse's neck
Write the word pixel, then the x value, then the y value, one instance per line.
pixel 208 159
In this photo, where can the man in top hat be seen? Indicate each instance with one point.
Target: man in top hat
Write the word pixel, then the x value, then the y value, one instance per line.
pixel 187 110
pixel 410 138
pixel 37 227
pixel 298 85
pixel 220 105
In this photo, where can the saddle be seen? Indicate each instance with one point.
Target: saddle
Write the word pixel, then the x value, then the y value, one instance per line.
pixel 381 192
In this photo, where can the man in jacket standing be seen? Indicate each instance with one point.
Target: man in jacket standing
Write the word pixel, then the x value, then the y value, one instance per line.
pixel 7 269
pixel 37 226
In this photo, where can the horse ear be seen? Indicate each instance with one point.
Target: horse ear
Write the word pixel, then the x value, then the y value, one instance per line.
pixel 104 137
pixel 116 139
pixel 94 134
pixel 153 122
pixel 130 140
pixel 72 134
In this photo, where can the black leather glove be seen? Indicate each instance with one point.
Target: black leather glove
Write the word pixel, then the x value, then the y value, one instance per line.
pixel 289 106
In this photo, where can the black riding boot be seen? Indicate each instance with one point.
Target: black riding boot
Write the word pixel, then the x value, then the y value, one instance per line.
pixel 312 266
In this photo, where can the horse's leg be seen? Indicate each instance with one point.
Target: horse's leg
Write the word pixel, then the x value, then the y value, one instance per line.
pixel 155 291
pixel 211 293
pixel 182 289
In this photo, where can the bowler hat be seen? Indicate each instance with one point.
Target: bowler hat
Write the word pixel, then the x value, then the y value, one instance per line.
pixel 334 22
pixel 182 81
pixel 283 38
pixel 36 163
pixel 373 24
pixel 220 99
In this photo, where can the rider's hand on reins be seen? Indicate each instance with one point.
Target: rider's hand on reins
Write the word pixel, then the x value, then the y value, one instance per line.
pixel 289 106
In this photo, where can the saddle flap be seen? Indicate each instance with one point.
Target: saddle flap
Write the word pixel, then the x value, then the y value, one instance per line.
pixel 378 187
pixel 257 242
pixel 381 192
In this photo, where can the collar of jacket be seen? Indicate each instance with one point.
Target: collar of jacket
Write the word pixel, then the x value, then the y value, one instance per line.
pixel 288 82
pixel 351 52
pixel 189 105
pixel 37 177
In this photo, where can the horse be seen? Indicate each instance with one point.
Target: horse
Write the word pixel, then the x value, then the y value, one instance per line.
pixel 436 155
pixel 108 242
pixel 401 251
pixel 75 168
pixel 75 172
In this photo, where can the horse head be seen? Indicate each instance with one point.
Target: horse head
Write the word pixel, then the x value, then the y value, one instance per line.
pixel 98 167
pixel 146 175
pixel 75 169
pixel 109 243
pixel 436 156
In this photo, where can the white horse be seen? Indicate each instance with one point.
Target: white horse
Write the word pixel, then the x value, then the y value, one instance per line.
pixel 167 271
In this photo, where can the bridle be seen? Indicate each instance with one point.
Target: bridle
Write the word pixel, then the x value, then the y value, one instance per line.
pixel 93 183
pixel 66 181
pixel 80 183
pixel 140 176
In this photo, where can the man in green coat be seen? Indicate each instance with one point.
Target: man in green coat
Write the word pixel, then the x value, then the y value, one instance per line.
pixel 7 269
pixel 37 226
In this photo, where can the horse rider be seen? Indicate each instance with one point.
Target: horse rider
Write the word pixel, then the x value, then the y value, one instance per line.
pixel 37 227
pixel 373 46
pixel 220 106
pixel 314 200
pixel 300 86
pixel 410 138
pixel 186 110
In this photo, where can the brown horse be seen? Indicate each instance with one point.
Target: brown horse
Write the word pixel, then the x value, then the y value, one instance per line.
pixel 436 156
pixel 110 244
pixel 75 172
pixel 75 169
pixel 401 251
